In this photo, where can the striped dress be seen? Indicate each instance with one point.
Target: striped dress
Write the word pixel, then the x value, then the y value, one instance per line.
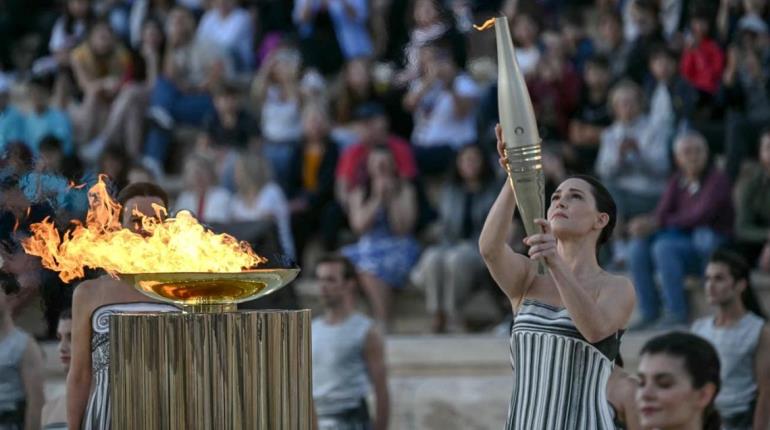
pixel 98 412
pixel 560 380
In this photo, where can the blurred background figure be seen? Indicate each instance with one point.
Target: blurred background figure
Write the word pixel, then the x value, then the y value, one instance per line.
pixel 21 366
pixel 258 198
pixel 694 216
pixel 54 415
pixel 382 212
pixel 741 337
pixel 348 354
pixel 450 269
pixel 202 195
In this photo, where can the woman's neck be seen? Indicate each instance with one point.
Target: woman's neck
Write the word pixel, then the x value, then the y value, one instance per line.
pixel 580 256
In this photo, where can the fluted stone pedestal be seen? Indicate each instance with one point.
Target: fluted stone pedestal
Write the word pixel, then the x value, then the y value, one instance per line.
pixel 231 370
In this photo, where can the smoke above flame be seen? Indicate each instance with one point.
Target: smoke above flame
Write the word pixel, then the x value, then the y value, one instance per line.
pixel 179 244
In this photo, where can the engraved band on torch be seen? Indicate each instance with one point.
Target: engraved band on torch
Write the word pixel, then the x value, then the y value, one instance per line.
pixel 522 140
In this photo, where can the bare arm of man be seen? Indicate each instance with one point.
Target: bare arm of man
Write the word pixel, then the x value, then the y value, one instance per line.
pixel 79 376
pixel 32 378
pixel 374 355
pixel 762 373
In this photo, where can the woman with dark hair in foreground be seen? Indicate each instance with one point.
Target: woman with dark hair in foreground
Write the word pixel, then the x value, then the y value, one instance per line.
pixel 567 325
pixel 678 382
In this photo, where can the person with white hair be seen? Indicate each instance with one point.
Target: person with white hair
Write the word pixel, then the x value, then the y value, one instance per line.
pixel 693 217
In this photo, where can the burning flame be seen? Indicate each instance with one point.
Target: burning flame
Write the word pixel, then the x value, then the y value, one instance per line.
pixel 179 244
pixel 487 24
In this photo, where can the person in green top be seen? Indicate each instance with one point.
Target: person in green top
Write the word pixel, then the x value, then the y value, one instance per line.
pixel 753 221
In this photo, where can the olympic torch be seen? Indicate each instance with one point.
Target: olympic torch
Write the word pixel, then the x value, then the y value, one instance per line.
pixel 522 140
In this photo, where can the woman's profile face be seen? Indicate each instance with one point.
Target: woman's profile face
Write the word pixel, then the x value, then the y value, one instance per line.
pixel 572 211
pixel 666 397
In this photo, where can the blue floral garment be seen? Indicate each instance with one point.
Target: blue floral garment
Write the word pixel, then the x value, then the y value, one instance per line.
pixel 383 254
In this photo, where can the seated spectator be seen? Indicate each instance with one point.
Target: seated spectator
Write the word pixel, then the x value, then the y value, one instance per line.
pixel 70 29
pixel 332 32
pixel 125 124
pixel 201 195
pixel 449 270
pixel 672 99
pixel 311 183
pixel 143 11
pixel 229 27
pixel 747 93
pixel 678 382
pixel 578 46
pixel 352 168
pixel 100 64
pixel 192 68
pixel 114 163
pixel 355 87
pixel 54 415
pixel 382 212
pixel 47 183
pixel 11 119
pixel 432 22
pixel 702 59
pixel 526 34
pixel 554 89
pixel 21 361
pixel 632 161
pixel 644 17
pixel 229 129
pixel 611 44
pixel 592 116
pixel 752 226
pixel 443 103
pixel 693 217
pixel 258 198
pixel 44 119
pixel 741 338
pixel 276 93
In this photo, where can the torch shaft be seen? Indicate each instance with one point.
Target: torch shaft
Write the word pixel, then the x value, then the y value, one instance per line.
pixel 525 173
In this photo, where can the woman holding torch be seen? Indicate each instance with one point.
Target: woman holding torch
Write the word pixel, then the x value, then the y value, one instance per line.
pixel 569 312
pixel 568 322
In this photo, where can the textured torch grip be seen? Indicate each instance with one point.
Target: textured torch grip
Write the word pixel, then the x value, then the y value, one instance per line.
pixel 525 170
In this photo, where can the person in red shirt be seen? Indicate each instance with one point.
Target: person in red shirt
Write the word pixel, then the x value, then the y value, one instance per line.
pixel 702 60
pixel 374 130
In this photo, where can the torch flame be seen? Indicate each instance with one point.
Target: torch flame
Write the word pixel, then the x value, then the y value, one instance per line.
pixel 179 244
pixel 486 25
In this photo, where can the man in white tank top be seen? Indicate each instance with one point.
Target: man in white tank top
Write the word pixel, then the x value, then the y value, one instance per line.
pixel 348 354
pixel 742 340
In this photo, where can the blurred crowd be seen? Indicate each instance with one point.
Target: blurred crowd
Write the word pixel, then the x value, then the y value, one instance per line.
pixel 367 127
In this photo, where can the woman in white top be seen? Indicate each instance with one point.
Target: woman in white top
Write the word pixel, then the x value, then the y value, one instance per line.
pixel 276 92
pixel 259 198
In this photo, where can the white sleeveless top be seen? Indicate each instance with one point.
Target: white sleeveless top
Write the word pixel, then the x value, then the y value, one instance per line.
pixel 736 346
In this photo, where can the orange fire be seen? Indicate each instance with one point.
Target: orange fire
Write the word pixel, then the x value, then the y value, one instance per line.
pixel 487 24
pixel 179 244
